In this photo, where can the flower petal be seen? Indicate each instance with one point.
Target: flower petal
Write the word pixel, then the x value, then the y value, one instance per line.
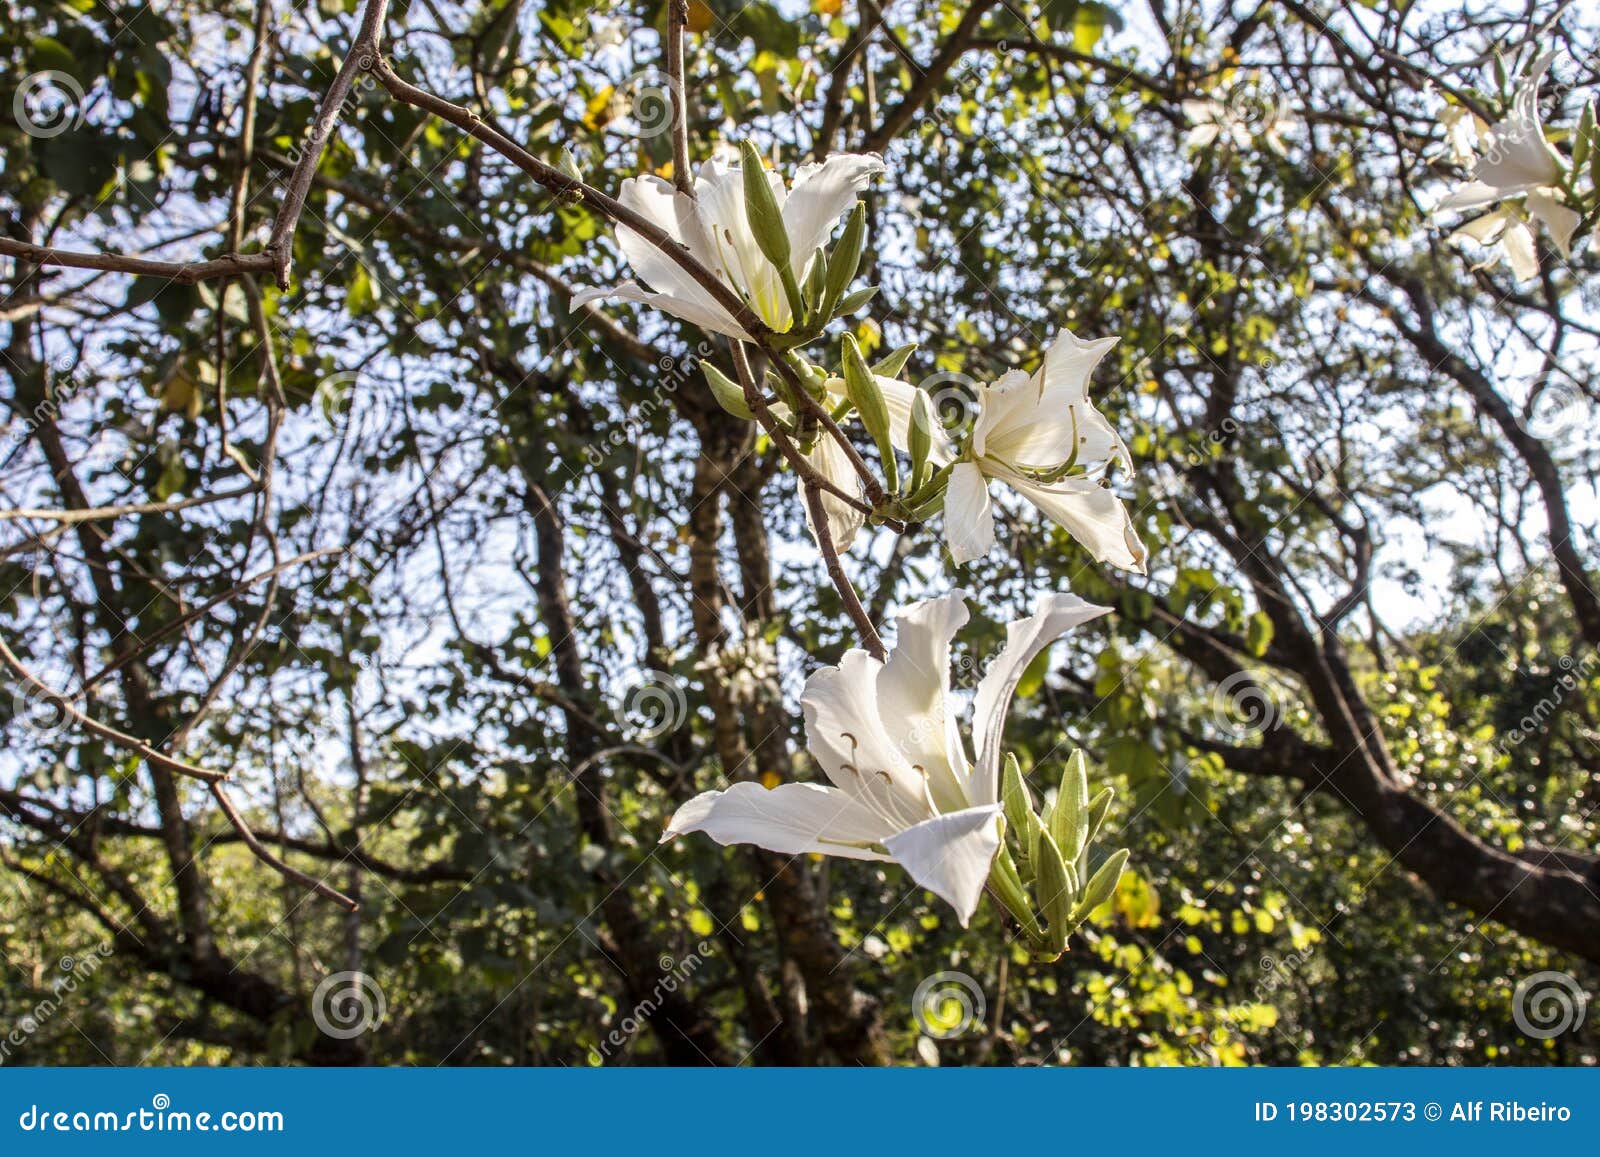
pixel 950 855
pixel 834 464
pixel 792 819
pixel 1517 241
pixel 1518 156
pixel 707 316
pixel 1471 196
pixel 897 398
pixel 720 188
pixel 1025 638
pixel 675 214
pixel 1561 221
pixel 968 518
pixel 914 693
pixel 820 195
pixel 845 734
pixel 1091 513
pixel 1063 418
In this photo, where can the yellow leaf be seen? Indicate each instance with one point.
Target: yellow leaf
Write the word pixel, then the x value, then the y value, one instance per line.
pixel 700 16
pixel 828 7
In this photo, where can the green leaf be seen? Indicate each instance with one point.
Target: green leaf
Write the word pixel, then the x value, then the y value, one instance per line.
pixel 1258 634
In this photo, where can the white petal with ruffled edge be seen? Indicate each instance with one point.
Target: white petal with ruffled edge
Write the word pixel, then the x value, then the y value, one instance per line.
pixel 968 516
pixel 1561 221
pixel 844 520
pixel 1518 157
pixel 914 696
pixel 792 819
pixel 712 317
pixel 1517 241
pixel 1062 423
pixel 677 292
pixel 1054 616
pixel 846 735
pixel 819 196
pixel 1091 513
pixel 950 855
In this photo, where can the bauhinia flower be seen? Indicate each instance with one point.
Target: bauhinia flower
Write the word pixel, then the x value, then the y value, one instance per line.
pixel 1040 435
pixel 1231 116
pixel 902 787
pixel 1514 160
pixel 714 226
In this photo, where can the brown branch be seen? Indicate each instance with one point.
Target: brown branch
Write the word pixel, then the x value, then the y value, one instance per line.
pixel 363 52
pixel 847 593
pixel 678 95
pixel 264 854
pixel 103 730
pixel 182 272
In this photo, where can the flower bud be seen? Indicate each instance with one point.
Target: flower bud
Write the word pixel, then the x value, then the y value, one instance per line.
pixel 891 363
pixel 729 394
pixel 1069 822
pixel 919 437
pixel 1103 883
pixel 845 261
pixel 862 390
pixel 761 207
pixel 1057 895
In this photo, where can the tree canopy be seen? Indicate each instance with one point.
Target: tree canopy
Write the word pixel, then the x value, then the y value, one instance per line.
pixel 315 476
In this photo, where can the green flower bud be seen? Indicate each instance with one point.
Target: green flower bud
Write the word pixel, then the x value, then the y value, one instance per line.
pixel 856 300
pixel 1018 805
pixel 845 261
pixel 862 390
pixel 1069 822
pixel 766 219
pixel 1056 892
pixel 890 365
pixel 1103 883
pixel 919 438
pixel 729 394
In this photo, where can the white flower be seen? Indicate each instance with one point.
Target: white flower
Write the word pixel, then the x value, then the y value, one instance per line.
pixel 715 230
pixel 1229 114
pixel 1516 161
pixel 1211 119
pixel 902 786
pixel 1028 431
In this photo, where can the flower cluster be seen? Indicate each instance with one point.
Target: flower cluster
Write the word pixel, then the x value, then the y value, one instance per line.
pixel 747 255
pixel 903 786
pixel 1517 175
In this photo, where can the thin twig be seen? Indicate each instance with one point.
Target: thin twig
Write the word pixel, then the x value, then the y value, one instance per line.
pixel 105 731
pixel 678 94
pixel 264 854
pixel 830 558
